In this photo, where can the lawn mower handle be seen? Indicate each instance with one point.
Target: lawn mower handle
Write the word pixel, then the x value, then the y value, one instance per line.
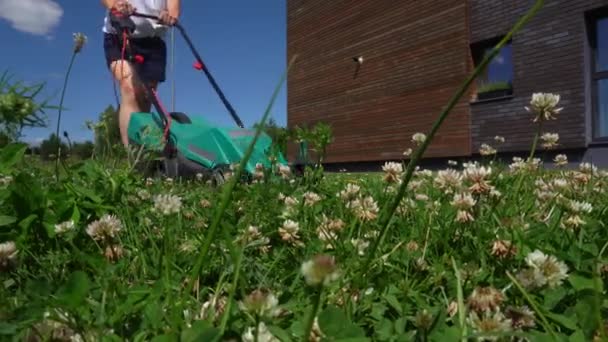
pixel 202 65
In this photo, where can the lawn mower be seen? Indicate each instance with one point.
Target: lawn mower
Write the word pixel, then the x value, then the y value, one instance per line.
pixel 191 145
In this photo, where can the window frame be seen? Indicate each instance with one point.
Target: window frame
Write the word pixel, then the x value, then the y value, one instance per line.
pixel 592 19
pixel 477 53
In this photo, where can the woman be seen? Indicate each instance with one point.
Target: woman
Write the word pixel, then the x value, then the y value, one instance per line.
pixel 148 41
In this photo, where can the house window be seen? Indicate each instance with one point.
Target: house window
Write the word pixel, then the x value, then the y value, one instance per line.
pixel 599 56
pixel 496 80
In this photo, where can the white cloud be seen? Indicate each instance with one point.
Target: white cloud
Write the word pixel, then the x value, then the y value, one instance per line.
pixel 37 17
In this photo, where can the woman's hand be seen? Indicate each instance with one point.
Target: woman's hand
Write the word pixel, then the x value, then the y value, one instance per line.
pixel 166 18
pixel 124 7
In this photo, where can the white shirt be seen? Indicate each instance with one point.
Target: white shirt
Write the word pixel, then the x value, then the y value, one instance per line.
pixel 144 27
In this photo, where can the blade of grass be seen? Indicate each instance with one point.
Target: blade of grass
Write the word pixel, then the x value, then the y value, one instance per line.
pixel 226 195
pixel 544 321
pixel 460 299
pixel 235 282
pixel 65 84
pixel 597 285
pixel 389 211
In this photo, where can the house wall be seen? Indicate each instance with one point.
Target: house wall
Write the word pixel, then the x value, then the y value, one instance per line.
pixel 415 55
pixel 549 55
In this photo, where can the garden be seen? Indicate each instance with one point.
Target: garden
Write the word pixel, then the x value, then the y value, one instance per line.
pixel 91 250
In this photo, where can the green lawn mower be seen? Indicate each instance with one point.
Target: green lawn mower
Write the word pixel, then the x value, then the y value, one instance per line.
pixel 191 146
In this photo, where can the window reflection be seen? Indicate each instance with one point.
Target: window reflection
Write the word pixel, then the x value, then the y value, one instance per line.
pixel 601 59
pixel 601 125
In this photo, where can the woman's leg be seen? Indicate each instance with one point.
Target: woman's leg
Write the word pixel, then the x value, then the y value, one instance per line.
pixel 131 93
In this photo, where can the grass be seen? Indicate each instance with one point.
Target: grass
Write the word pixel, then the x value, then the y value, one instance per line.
pixel 477 251
pixel 133 285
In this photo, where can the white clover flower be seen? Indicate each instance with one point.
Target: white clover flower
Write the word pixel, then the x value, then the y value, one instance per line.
pixel 167 204
pixel 311 198
pixel 143 194
pixel 544 106
pixel 361 245
pixel 289 232
pixel 8 253
pixel 580 207
pixel 485 298
pixel 547 270
pixel 489 322
pixel 418 138
pixel 5 180
pixel 321 269
pixel 263 303
pixel 64 227
pixel 463 201
pixel 487 150
pixel 587 168
pixel 366 209
pixel 79 40
pixel 549 140
pixel 560 160
pixel 284 171
pixel 107 227
pixel 350 192
pixel 264 335
pixel 392 172
pixel 448 180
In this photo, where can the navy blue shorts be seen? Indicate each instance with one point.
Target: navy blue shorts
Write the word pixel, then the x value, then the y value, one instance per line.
pixel 153 50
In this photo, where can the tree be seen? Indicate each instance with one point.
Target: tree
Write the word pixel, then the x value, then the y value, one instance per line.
pixel 83 150
pixel 19 108
pixel 48 147
pixel 278 134
pixel 107 132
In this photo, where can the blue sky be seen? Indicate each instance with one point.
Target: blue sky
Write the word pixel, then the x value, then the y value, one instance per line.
pixel 243 43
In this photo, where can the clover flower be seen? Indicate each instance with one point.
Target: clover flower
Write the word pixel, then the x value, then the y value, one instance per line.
pixel 544 106
pixel 487 150
pixel 79 40
pixel 503 249
pixel 448 180
pixel 521 317
pixel 167 204
pixel 264 335
pixel 418 138
pixel 549 140
pixel 107 227
pixel 392 172
pixel 259 302
pixel 311 198
pixel 478 176
pixel 366 209
pixel 289 232
pixel 485 299
pixel 350 192
pixel 321 269
pixel 543 270
pixel 64 227
pixel 560 160
pixel 489 322
pixel 8 254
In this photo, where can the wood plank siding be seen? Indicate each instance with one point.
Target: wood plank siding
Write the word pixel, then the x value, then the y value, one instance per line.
pixel 414 55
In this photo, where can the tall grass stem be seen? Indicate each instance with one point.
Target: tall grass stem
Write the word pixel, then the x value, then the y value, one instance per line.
pixel 65 85
pixel 389 211
pixel 227 193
